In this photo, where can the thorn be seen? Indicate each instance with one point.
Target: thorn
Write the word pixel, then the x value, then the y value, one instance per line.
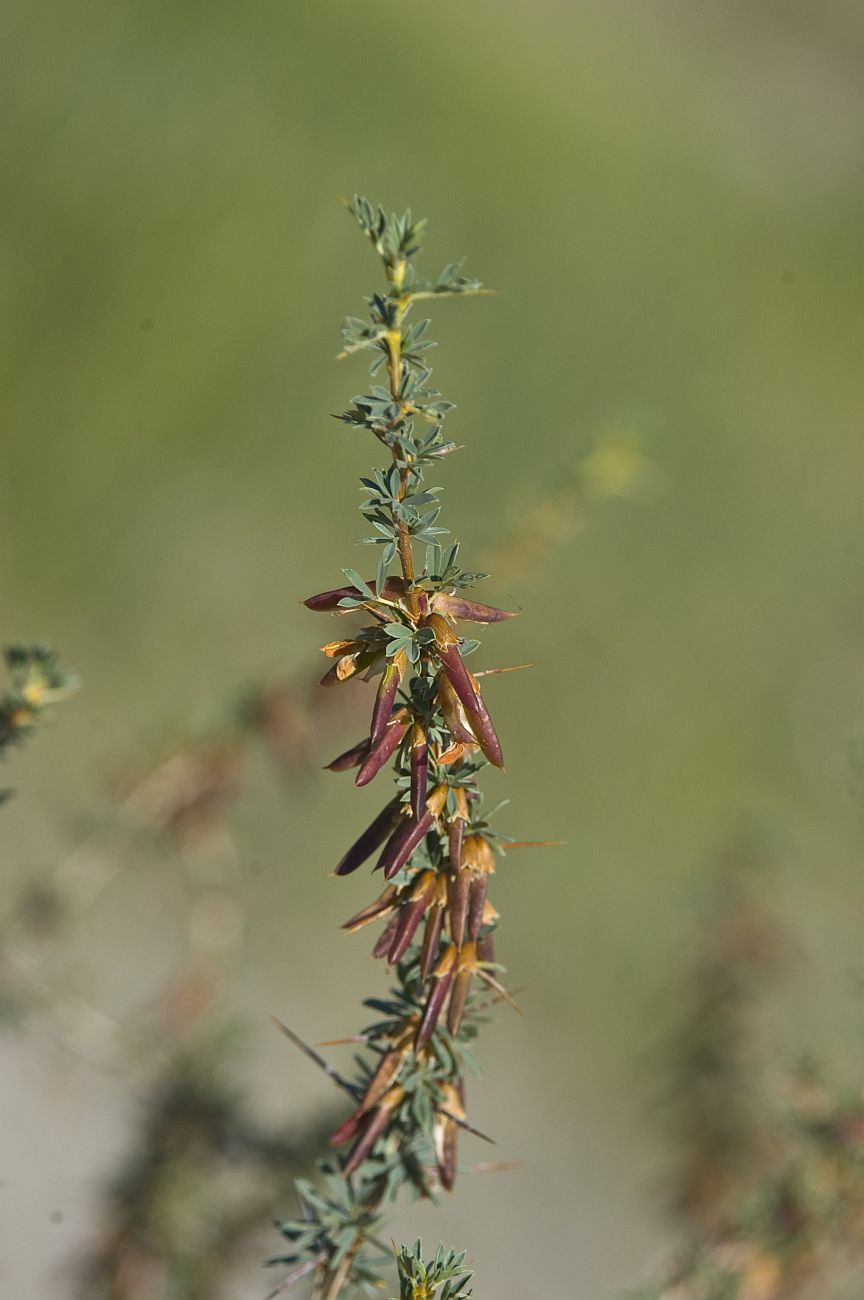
pixel 489 672
pixel 499 989
pixel 532 844
pixel 463 1123
pixel 353 1092
pixel 295 1277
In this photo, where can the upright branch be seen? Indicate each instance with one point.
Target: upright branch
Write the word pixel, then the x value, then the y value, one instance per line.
pixel 432 841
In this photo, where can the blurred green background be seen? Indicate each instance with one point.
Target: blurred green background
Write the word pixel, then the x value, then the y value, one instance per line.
pixel 661 411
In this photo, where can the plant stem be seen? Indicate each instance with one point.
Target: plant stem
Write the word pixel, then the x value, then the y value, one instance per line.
pixel 394 370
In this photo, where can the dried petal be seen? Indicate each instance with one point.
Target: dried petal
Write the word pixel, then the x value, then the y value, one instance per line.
pixel 333 649
pixel 478 853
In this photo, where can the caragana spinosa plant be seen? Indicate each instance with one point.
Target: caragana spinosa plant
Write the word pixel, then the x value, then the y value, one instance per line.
pixel 432 841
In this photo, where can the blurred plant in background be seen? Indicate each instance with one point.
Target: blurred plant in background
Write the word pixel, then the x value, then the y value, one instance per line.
pixel 769 1185
pixel 37 682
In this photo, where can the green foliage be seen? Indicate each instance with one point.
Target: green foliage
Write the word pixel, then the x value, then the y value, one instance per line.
pixel 442 1278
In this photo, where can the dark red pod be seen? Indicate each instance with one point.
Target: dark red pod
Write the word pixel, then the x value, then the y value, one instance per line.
pixel 376 1124
pixel 371 839
pixel 456 838
pixel 385 938
pixel 386 695
pixel 454 714
pixel 486 948
pixel 465 968
pixel 402 844
pixel 327 602
pixel 419 769
pixel 351 758
pixel 432 1010
pixel 447 1133
pixel 466 688
pixel 348 1129
pixel 442 979
pixel 481 725
pixel 447 1153
pixel 410 916
pixel 459 607
pixel 379 755
pixel 388 1068
pixel 372 911
pixel 458 894
pixel 476 904
pixel 431 941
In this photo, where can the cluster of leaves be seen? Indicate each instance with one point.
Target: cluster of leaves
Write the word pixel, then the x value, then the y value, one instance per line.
pixel 37 681
pixel 442 1278
pixel 435 846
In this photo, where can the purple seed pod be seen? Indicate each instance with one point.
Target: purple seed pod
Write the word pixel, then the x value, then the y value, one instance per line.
pixel 432 1010
pixel 458 607
pixel 386 695
pixel 486 948
pixel 453 712
pixel 379 755
pixel 388 1068
pixel 371 839
pixel 457 899
pixel 466 687
pixel 431 941
pixel 351 758
pixel 461 987
pixel 476 904
pixel 447 1133
pixel 376 1125
pixel 373 911
pixel 385 938
pixel 348 1129
pixel 327 602
pixel 402 844
pixel 447 1153
pixel 481 725
pixel 456 838
pixel 410 916
pixel 419 769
